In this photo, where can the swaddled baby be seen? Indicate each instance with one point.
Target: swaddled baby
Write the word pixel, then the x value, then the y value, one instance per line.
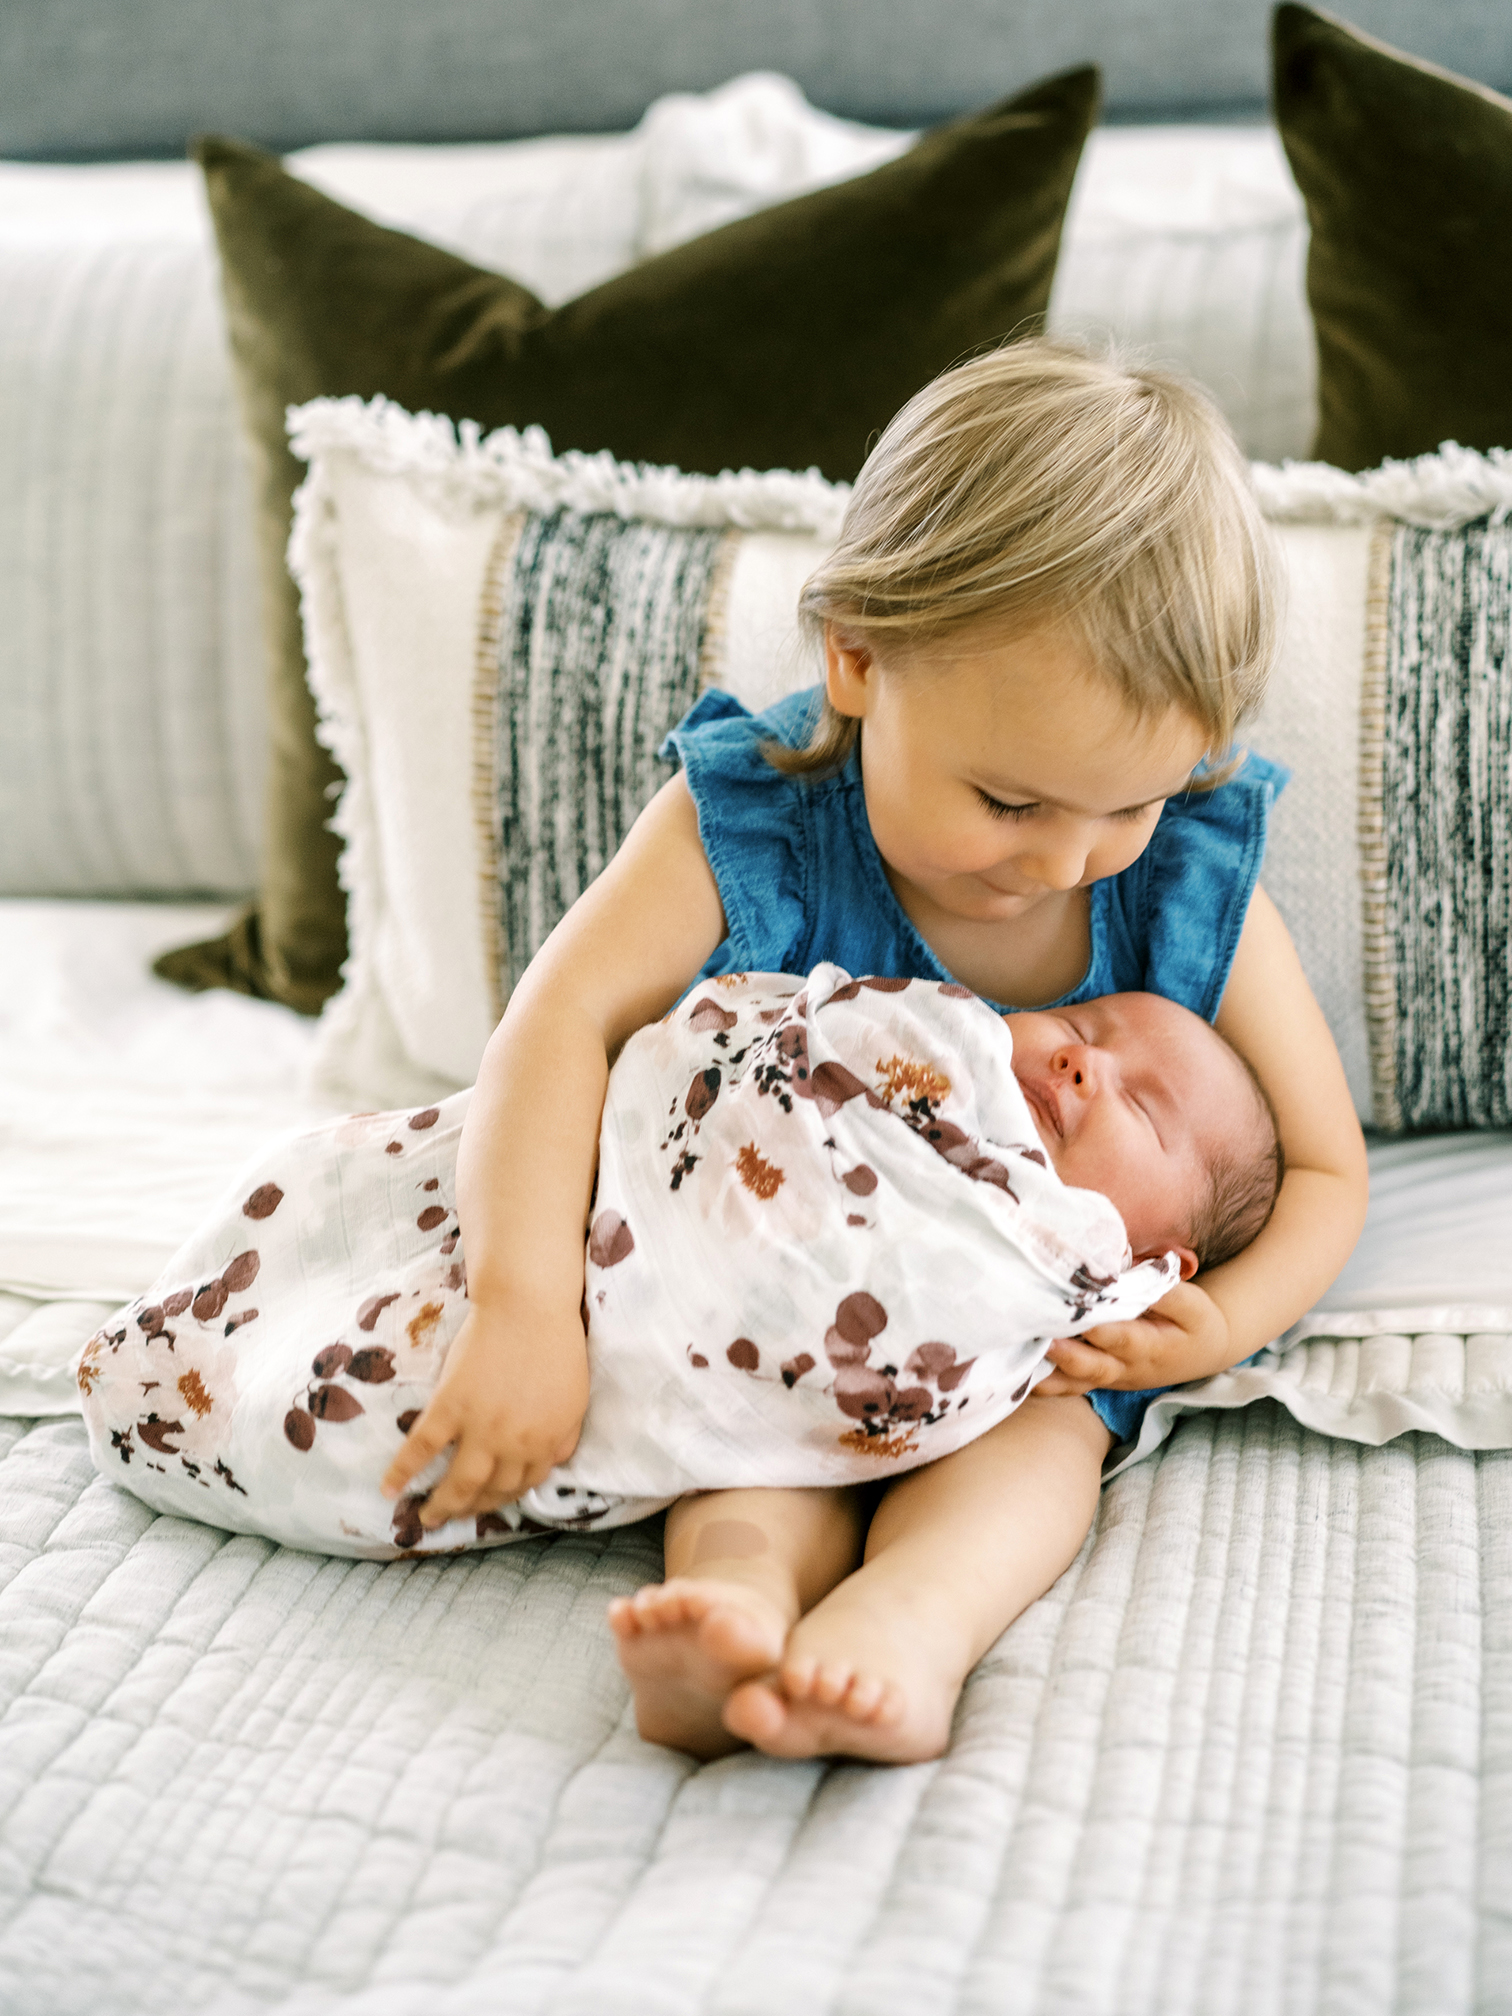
pixel 837 1224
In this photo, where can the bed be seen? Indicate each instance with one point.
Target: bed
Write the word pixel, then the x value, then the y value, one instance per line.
pixel 1252 1752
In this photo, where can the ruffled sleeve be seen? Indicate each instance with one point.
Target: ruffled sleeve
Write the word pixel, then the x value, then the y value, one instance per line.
pixel 751 822
pixel 1180 909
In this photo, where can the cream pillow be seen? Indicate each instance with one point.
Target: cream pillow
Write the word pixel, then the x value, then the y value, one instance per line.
pixel 1391 851
pixel 499 639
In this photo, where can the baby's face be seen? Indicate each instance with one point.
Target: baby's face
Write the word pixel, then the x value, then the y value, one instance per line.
pixel 1135 1097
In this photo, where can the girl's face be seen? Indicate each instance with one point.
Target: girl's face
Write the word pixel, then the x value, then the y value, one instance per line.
pixel 1000 772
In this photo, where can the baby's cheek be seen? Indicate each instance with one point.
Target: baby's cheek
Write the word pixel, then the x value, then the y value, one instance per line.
pixel 1136 1182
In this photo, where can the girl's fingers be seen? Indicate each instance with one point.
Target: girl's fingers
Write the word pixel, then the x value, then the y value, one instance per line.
pixel 429 1436
pixel 1082 1361
pixel 461 1489
pixel 510 1479
pixel 1060 1384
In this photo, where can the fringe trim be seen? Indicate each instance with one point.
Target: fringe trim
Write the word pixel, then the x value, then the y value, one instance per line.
pixel 1379 964
pixel 515 470
pixel 465 470
pixel 485 764
pixel 1439 491
pixel 314 563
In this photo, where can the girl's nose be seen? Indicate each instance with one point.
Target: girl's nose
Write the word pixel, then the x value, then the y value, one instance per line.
pixel 1062 872
pixel 1058 859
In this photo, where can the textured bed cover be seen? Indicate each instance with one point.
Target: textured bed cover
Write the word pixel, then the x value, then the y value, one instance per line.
pixel 1252 1753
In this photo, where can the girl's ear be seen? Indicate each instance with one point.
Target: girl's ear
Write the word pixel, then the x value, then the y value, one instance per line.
pixel 1188 1259
pixel 849 672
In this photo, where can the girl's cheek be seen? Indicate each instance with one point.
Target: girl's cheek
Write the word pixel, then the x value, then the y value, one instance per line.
pixel 1121 849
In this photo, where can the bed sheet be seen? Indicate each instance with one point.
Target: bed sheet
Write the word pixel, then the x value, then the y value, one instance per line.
pixel 125 1104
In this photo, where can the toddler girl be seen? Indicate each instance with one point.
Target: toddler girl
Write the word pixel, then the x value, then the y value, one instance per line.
pixel 1049 606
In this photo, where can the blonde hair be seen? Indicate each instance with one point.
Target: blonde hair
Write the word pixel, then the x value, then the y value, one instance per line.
pixel 1042 484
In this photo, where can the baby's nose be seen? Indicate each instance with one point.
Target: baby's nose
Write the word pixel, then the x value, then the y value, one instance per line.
pixel 1080 1065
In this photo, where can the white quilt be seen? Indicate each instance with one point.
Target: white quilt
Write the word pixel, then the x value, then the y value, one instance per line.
pixel 826 1247
pixel 1251 1756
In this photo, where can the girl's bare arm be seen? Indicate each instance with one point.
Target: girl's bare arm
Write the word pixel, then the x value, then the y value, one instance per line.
pixel 1270 1016
pixel 515 1386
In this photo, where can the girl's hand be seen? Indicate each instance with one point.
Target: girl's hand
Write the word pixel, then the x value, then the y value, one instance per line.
pixel 512 1398
pixel 1184 1336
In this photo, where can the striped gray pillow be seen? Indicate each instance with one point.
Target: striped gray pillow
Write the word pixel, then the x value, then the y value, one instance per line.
pixel 1436 825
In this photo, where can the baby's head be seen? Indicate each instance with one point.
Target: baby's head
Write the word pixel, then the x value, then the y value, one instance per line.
pixel 1040 487
pixel 1144 1101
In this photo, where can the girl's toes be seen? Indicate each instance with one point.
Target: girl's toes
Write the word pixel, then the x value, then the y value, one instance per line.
pixel 866 1696
pixel 889 1711
pixel 798 1677
pixel 754 1713
pixel 832 1683
pixel 654 1608
pixel 877 1703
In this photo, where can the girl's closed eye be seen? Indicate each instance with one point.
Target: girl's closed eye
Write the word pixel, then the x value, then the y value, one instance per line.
pixel 1000 809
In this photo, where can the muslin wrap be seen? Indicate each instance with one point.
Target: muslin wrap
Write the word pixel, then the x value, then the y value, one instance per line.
pixel 825 1246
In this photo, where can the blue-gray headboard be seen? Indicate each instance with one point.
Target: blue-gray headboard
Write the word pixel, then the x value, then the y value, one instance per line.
pixel 82 78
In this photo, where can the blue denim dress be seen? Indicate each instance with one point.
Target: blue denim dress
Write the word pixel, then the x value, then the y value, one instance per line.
pixel 801 881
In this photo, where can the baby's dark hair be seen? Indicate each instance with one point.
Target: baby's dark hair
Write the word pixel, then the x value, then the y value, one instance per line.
pixel 1244 1182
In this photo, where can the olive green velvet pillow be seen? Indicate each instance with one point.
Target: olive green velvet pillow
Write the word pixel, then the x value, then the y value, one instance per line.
pixel 784 340
pixel 1407 175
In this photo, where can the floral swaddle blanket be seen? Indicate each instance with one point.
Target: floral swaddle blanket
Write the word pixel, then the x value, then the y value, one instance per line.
pixel 825 1247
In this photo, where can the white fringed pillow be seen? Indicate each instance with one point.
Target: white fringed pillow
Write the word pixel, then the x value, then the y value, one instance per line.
pixel 1391 852
pixel 499 639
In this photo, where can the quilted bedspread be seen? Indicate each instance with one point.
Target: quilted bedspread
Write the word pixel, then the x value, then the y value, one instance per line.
pixel 1253 1753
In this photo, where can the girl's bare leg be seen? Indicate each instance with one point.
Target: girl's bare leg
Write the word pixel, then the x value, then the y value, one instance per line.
pixel 956 1550
pixel 742 1567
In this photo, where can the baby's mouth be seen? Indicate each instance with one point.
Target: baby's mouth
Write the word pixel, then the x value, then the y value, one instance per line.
pixel 1043 1108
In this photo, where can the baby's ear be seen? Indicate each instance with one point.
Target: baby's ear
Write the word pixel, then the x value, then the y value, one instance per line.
pixel 1188 1259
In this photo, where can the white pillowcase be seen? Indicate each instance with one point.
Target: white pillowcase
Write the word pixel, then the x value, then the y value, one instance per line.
pixel 132 719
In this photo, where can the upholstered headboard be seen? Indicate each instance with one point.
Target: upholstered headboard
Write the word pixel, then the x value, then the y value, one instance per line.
pixel 81 78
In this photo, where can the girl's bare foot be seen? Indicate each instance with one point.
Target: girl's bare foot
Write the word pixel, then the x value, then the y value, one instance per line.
pixel 857 1680
pixel 684 1644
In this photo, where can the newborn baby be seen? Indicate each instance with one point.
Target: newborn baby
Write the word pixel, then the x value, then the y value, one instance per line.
pixel 1144 1101
pixel 832 1241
